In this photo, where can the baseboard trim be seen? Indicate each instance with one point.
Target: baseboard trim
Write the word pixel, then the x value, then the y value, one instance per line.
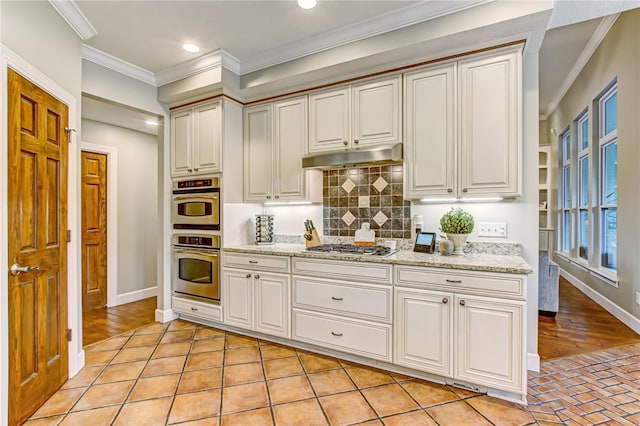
pixel 615 310
pixel 533 362
pixel 134 296
pixel 78 364
pixel 166 315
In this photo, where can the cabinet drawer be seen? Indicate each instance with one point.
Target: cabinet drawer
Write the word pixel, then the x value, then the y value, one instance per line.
pixel 358 271
pixel 344 298
pixel 358 337
pixel 197 309
pixel 256 262
pixel 505 285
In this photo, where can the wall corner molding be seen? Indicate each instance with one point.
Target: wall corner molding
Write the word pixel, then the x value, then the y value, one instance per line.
pixel 118 65
pixel 72 14
pixel 165 315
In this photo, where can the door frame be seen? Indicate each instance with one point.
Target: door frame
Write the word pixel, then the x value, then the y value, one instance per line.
pixel 112 216
pixel 9 59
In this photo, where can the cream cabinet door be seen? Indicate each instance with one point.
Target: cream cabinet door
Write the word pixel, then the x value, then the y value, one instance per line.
pixel 490 110
pixel 181 146
pixel 430 120
pixel 376 112
pixel 258 154
pixel 490 342
pixel 272 304
pixel 330 120
pixel 423 330
pixel 237 298
pixel 290 144
pixel 207 138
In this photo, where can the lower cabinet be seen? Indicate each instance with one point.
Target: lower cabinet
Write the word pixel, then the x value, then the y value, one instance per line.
pixel 258 301
pixel 194 308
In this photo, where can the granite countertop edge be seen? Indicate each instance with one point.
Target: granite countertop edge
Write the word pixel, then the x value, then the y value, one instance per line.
pixel 470 262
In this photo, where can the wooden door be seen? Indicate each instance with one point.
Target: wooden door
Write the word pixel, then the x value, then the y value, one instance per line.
pixel 94 230
pixel 37 208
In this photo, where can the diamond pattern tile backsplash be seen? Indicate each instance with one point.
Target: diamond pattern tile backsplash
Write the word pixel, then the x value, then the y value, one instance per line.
pixel 368 194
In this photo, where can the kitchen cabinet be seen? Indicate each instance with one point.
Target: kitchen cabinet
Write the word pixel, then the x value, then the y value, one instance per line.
pixel 199 310
pixel 254 298
pixel 469 326
pixel 196 140
pixel 467 116
pixel 363 114
pixel 275 139
pixel 351 313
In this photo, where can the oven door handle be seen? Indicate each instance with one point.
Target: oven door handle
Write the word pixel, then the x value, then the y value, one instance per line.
pixel 192 197
pixel 209 252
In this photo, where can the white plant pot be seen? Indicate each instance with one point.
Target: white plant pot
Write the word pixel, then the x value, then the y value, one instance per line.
pixel 459 240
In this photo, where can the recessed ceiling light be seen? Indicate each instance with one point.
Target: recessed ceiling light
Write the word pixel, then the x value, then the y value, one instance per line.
pixel 191 48
pixel 151 122
pixel 307 4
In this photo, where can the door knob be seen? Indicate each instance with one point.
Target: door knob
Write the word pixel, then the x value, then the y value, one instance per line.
pixel 17 269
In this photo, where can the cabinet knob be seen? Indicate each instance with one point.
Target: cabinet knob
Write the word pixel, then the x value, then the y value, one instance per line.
pixel 189 170
pixel 336 334
pixel 268 197
pixel 345 143
pixel 248 275
pixel 196 169
pixel 277 197
pixel 449 190
pixel 356 141
pixel 464 190
pixel 336 298
pixel 462 303
pixel 257 276
pixel 445 300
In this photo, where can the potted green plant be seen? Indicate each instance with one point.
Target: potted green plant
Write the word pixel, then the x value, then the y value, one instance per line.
pixel 457 224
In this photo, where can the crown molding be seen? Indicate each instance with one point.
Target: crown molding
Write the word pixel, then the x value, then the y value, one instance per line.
pixel 595 40
pixel 209 61
pixel 104 59
pixel 71 13
pixel 400 18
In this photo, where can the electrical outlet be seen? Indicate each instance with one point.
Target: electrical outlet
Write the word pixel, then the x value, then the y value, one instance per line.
pixel 637 297
pixel 492 229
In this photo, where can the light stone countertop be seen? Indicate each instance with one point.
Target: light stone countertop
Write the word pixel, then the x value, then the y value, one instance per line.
pixel 471 262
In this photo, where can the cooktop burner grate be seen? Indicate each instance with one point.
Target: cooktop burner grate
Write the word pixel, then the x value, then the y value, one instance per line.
pixel 376 250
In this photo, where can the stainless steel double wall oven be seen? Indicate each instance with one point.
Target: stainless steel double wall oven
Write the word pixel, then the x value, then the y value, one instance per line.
pixel 196 238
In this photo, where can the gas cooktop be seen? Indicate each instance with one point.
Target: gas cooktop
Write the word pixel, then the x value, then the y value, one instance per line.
pixel 353 249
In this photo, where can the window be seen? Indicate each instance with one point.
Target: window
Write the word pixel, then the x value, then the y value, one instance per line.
pixel 608 178
pixel 582 128
pixel 565 200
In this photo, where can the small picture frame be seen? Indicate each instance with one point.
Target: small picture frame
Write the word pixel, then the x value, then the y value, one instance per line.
pixel 425 242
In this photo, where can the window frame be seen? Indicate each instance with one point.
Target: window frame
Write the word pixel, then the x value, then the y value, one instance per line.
pixel 564 238
pixel 582 198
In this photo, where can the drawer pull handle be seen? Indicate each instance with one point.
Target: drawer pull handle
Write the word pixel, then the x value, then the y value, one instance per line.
pixel 194 309
pixel 462 303
pixel 336 298
pixel 248 275
pixel 336 334
pixel 454 281
pixel 253 261
pixel 445 300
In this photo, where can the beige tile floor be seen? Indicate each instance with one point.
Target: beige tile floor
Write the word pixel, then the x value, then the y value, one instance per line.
pixel 189 374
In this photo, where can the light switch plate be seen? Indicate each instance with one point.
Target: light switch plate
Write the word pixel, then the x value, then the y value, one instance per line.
pixel 492 229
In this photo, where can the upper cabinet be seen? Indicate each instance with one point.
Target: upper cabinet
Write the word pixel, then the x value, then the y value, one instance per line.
pixel 463 128
pixel 275 139
pixel 358 115
pixel 196 140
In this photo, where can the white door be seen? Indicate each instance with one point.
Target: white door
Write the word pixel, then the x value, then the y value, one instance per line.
pixel 290 144
pixel 237 298
pixel 272 304
pixel 258 153
pixel 376 112
pixel 430 119
pixel 490 342
pixel 207 138
pixel 330 120
pixel 423 321
pixel 490 124
pixel 181 146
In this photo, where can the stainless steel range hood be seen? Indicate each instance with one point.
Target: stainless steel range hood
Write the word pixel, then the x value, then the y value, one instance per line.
pixel 377 155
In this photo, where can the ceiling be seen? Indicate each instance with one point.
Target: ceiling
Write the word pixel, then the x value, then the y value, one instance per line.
pixel 260 34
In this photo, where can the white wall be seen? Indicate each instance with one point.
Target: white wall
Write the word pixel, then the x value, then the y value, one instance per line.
pixel 137 202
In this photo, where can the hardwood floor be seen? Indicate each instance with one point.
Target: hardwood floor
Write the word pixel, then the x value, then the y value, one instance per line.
pixel 581 326
pixel 100 324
